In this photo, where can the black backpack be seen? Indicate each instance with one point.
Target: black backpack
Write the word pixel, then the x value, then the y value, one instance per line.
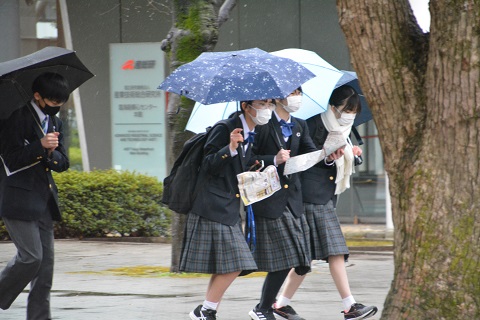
pixel 179 190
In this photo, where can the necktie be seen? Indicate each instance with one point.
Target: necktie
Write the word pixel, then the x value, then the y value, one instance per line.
pixel 286 128
pixel 45 124
pixel 250 138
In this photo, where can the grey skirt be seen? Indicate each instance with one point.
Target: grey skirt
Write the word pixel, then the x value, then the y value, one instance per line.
pixel 214 248
pixel 282 243
pixel 326 235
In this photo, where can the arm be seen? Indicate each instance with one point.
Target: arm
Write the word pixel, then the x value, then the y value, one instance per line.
pixel 217 150
pixel 19 145
pixel 57 159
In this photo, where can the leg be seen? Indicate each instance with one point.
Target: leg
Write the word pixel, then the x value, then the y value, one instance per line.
pixel 24 266
pixel 271 286
pixel 292 283
pixel 339 275
pixel 38 307
pixel 218 284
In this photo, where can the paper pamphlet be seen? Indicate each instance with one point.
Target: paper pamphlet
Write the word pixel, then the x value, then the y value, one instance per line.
pixel 256 186
pixel 334 141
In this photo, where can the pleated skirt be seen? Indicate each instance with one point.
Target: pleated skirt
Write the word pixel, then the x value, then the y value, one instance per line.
pixel 282 243
pixel 326 234
pixel 214 248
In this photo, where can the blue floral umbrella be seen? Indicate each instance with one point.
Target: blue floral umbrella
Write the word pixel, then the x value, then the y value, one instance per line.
pixel 205 115
pixel 251 74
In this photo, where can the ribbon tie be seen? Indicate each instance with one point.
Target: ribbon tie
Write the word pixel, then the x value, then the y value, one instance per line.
pixel 250 233
pixel 286 128
pixel 45 124
pixel 250 138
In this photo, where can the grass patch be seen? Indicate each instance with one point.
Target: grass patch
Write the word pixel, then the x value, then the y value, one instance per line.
pixel 156 272
pixel 369 243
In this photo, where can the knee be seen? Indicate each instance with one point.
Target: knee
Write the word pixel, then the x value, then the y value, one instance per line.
pixel 31 259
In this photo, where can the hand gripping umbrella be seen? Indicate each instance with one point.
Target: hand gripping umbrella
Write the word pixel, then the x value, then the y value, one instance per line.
pixel 250 74
pixel 16 76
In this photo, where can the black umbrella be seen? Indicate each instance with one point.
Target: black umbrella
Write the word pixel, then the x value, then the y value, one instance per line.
pixel 16 76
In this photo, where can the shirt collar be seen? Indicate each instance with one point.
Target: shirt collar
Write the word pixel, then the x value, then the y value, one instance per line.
pixel 40 114
pixel 246 129
pixel 278 118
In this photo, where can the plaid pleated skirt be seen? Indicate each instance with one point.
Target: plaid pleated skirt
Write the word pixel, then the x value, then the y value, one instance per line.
pixel 214 248
pixel 326 237
pixel 282 243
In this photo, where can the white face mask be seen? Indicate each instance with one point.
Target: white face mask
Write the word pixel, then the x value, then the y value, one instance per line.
pixel 293 104
pixel 346 119
pixel 263 116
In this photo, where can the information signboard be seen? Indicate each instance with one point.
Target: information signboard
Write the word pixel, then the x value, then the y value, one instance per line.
pixel 138 108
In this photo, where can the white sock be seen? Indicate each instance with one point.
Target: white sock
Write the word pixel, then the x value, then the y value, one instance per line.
pixel 282 302
pixel 347 302
pixel 209 305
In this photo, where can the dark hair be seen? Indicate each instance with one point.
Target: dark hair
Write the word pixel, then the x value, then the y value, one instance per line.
pixel 51 86
pixel 346 96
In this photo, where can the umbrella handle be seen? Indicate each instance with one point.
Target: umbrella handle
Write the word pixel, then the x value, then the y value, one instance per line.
pixel 357 136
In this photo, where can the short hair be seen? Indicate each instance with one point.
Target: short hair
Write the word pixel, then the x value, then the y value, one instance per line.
pixel 347 97
pixel 51 86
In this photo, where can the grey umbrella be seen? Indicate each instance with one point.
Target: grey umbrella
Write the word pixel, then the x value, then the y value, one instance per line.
pixel 16 76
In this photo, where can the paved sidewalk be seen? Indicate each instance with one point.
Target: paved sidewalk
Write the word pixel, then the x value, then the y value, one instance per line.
pixel 79 295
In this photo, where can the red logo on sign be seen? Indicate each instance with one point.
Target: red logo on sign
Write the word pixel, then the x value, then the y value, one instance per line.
pixel 129 65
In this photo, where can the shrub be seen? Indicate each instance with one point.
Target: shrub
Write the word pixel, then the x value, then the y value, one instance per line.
pixel 102 201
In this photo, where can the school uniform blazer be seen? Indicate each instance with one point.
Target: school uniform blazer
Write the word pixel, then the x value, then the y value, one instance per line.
pixel 268 141
pixel 318 182
pixel 26 194
pixel 218 196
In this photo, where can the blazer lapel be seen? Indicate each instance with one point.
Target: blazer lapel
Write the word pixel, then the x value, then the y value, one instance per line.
pixel 37 128
pixel 295 138
pixel 276 133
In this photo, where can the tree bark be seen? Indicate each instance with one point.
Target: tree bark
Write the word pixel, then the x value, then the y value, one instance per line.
pixel 194 30
pixel 424 93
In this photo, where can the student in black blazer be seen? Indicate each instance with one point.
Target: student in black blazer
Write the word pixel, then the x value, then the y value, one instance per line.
pixel 321 186
pixel 282 232
pixel 30 149
pixel 213 241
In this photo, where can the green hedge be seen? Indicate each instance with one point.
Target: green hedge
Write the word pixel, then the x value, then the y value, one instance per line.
pixel 106 201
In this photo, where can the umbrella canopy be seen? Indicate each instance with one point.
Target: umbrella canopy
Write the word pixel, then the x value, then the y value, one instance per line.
pixel 205 115
pixel 251 74
pixel 351 79
pixel 316 91
pixel 16 76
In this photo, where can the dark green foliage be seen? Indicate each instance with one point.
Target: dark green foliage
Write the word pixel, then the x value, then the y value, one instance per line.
pixel 102 201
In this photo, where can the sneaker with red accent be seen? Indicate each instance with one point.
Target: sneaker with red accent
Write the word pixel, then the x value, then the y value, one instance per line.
pixel 259 314
pixel 359 311
pixel 286 313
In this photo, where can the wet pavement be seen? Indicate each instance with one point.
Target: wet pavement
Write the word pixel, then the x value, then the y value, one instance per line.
pixel 83 290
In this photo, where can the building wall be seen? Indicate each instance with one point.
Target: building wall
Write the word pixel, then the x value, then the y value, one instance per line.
pixel 268 24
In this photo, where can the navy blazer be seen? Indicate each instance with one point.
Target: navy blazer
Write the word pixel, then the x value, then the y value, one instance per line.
pixel 268 142
pixel 218 196
pixel 26 194
pixel 318 182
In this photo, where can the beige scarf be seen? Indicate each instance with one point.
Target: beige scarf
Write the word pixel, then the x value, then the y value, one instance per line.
pixel 345 163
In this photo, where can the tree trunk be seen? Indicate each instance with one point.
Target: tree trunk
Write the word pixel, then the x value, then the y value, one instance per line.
pixel 424 93
pixel 194 30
